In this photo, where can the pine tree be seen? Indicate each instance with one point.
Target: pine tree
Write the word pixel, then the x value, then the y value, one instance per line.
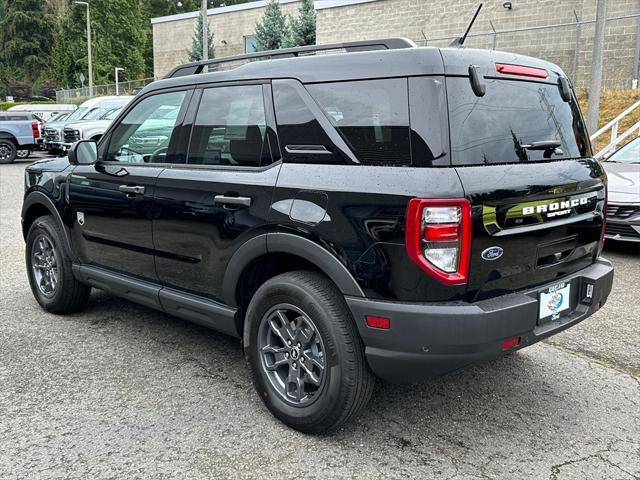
pixel 26 39
pixel 272 32
pixel 302 30
pixel 118 40
pixel 195 54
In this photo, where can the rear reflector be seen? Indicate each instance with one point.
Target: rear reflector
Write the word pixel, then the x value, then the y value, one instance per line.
pixel 35 129
pixel 441 232
pixel 378 322
pixel 510 343
pixel 521 70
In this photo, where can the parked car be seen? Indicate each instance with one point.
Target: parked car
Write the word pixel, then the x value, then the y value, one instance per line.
pixel 44 110
pixel 93 107
pixel 89 129
pixel 18 133
pixel 392 211
pixel 623 208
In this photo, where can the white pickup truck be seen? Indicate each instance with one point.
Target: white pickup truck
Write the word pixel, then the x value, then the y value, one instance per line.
pixel 18 133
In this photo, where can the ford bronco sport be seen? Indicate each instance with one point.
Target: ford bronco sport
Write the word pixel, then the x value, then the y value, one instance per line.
pixel 386 210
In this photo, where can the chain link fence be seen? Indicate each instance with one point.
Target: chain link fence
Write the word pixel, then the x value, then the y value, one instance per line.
pixel 124 88
pixel 569 45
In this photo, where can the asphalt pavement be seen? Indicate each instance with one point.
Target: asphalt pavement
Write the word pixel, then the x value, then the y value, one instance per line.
pixel 119 391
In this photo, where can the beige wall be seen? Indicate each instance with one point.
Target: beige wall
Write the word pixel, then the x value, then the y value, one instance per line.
pixel 172 40
pixel 433 19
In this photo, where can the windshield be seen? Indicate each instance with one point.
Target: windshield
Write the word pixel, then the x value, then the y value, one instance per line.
pixel 515 121
pixel 111 114
pixel 630 153
pixel 78 114
pixel 95 114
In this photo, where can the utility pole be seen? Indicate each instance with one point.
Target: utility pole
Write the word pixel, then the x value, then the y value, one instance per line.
pixel 86 4
pixel 636 59
pixel 118 69
pixel 205 33
pixel 596 66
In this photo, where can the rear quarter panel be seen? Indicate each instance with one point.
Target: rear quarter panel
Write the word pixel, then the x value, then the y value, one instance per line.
pixel 357 213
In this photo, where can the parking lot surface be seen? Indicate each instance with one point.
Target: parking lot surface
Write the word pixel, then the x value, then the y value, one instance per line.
pixel 122 391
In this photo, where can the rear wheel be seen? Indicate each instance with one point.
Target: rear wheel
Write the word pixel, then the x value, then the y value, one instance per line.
pixel 49 269
pixel 304 352
pixel 8 151
pixel 22 154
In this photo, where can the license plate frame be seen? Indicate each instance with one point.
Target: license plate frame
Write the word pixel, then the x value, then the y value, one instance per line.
pixel 554 301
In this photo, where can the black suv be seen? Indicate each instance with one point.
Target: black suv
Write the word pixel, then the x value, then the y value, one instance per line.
pixel 385 210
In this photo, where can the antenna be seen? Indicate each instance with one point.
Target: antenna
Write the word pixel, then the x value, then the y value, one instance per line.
pixel 458 42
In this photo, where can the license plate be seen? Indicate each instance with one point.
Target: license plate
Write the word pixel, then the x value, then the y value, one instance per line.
pixel 554 300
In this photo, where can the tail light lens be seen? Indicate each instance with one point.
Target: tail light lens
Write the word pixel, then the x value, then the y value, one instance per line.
pixel 35 129
pixel 438 237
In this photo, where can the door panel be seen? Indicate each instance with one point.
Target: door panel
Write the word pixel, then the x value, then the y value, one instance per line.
pixel 194 235
pixel 112 228
pixel 112 201
pixel 221 197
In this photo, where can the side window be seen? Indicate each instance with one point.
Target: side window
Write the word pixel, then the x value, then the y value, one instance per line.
pixel 230 128
pixel 145 132
pixel 371 115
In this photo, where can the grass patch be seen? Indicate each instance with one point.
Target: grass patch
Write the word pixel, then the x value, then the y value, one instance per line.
pixel 612 103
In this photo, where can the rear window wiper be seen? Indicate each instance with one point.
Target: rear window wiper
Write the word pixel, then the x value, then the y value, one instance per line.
pixel 542 145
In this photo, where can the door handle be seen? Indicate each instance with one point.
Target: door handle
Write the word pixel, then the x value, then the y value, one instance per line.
pixel 236 201
pixel 132 190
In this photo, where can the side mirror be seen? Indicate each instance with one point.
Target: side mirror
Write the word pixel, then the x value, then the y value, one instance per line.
pixel 84 152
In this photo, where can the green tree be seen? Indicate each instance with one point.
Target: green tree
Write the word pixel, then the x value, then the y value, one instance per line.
pixel 272 31
pixel 119 40
pixel 302 30
pixel 195 54
pixel 26 39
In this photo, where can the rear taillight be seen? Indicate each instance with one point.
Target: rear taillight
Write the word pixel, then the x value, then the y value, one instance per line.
pixel 35 129
pixel 438 237
pixel 521 70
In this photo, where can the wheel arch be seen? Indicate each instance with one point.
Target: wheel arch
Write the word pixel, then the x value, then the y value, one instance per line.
pixel 8 136
pixel 271 254
pixel 36 205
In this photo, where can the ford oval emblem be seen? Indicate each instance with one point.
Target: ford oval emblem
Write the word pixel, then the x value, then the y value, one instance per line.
pixel 492 253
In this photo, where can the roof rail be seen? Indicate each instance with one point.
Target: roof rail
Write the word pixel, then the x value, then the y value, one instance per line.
pixel 360 46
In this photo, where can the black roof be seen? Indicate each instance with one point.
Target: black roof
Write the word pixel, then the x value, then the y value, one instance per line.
pixel 399 62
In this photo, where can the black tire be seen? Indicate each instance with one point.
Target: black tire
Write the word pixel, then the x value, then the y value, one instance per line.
pixel 346 382
pixel 8 151
pixel 67 294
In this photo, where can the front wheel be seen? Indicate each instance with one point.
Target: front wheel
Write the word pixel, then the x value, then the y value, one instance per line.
pixel 305 354
pixel 49 269
pixel 22 154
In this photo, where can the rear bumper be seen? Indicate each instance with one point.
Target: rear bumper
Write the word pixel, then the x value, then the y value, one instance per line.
pixel 429 339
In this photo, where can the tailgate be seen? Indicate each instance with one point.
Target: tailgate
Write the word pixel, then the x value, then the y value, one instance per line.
pixel 524 159
pixel 545 219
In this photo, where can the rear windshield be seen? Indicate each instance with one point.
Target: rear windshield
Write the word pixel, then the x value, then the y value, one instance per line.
pixel 505 124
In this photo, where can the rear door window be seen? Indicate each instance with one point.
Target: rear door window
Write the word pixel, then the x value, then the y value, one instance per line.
pixel 372 116
pixel 501 126
pixel 230 128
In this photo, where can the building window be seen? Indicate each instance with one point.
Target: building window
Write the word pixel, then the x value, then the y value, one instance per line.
pixel 249 43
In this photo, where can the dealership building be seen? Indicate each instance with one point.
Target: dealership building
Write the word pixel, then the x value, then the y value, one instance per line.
pixel 561 31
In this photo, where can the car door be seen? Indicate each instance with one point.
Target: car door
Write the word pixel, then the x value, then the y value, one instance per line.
pixel 112 200
pixel 220 197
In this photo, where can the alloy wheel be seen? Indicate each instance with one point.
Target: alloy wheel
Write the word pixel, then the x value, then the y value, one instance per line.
pixel 292 354
pixel 44 264
pixel 5 151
